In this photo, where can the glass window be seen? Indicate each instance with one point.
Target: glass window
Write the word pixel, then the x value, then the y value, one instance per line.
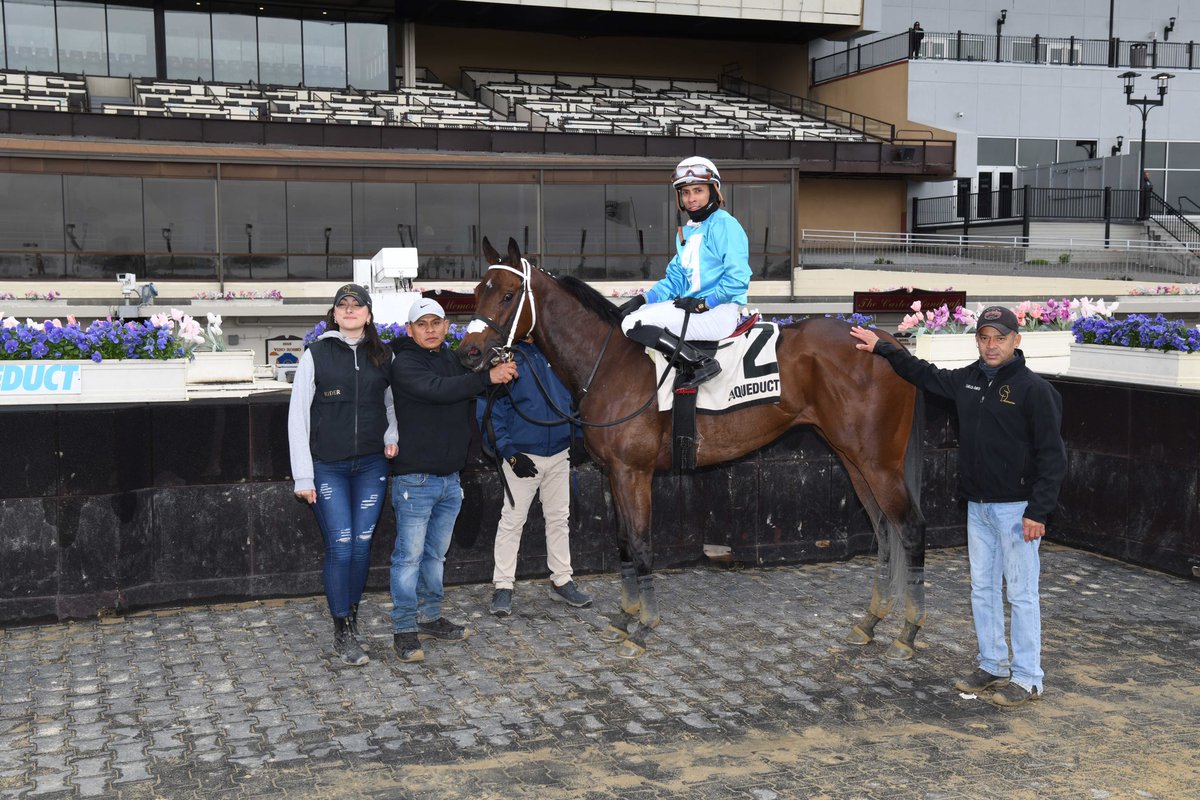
pixel 367 47
pixel 253 216
pixel 1156 154
pixel 1183 191
pixel 4 55
pixel 103 214
pixel 32 209
pixel 319 217
pixel 189 46
pixel 235 48
pixel 508 210
pixel 765 211
pixel 253 222
pixel 574 221
pixel 637 221
pixel 997 152
pixel 131 49
pixel 181 215
pixel 447 229
pixel 279 51
pixel 385 215
pixel 324 53
pixel 1036 151
pixel 1184 155
pixel 102 221
pixel 29 35
pixel 81 46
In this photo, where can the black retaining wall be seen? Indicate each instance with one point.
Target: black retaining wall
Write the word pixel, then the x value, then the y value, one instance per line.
pixel 119 507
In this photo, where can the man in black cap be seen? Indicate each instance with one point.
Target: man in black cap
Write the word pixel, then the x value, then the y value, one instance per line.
pixel 1011 463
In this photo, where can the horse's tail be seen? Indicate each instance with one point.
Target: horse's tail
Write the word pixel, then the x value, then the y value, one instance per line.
pixel 914 464
pixel 905 542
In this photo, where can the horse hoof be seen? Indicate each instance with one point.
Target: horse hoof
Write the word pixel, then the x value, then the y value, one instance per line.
pixel 630 649
pixel 858 637
pixel 612 634
pixel 899 651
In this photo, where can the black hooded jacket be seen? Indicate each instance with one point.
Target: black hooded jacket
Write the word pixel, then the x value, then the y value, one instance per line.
pixel 1010 441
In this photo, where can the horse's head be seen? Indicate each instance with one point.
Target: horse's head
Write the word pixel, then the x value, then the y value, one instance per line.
pixel 504 311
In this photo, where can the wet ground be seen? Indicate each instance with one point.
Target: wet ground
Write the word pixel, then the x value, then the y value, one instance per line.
pixel 747 692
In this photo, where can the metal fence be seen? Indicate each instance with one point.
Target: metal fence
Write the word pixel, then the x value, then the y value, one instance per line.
pixel 960 46
pixel 1027 203
pixel 999 255
pixel 832 115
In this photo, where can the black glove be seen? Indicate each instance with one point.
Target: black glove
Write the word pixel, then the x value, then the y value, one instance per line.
pixel 522 466
pixel 693 305
pixel 631 305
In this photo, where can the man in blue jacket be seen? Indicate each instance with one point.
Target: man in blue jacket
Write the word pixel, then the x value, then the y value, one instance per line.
pixel 1011 463
pixel 535 461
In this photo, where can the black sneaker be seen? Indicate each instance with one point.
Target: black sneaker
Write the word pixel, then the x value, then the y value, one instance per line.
pixel 408 647
pixel 502 602
pixel 568 593
pixel 363 644
pixel 980 680
pixel 1014 695
pixel 442 628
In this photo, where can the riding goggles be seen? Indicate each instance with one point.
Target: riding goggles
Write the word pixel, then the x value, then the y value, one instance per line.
pixel 697 171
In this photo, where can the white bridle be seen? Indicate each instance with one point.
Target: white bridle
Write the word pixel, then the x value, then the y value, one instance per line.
pixel 480 323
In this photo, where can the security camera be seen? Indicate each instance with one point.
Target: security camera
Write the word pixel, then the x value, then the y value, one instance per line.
pixel 128 281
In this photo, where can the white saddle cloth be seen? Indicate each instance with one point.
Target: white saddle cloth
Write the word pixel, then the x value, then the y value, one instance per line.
pixel 749 373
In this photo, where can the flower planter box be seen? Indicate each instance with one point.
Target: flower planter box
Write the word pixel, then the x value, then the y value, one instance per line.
pixel 1047 352
pixel 125 381
pixel 227 366
pixel 1135 365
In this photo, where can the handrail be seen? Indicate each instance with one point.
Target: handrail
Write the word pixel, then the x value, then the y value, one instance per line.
pixel 1194 204
pixel 830 115
pixel 1174 223
pixel 1033 242
pixel 988 47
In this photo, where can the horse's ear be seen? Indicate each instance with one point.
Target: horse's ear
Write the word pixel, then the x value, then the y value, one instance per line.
pixel 514 252
pixel 489 252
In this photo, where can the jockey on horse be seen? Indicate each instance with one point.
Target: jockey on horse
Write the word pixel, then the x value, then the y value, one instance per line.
pixel 708 277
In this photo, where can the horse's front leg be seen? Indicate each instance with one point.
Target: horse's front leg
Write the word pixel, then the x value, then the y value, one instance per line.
pixel 631 497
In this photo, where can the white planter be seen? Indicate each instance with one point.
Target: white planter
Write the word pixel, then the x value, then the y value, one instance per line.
pixel 1047 352
pixel 228 366
pixel 1134 365
pixel 116 381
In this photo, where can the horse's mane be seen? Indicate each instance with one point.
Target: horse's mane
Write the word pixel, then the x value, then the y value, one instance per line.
pixel 589 298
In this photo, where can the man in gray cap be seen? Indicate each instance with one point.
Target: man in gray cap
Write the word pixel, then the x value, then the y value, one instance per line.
pixel 434 399
pixel 1011 463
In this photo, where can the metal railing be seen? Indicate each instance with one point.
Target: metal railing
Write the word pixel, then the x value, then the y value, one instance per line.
pixel 1028 203
pixel 830 115
pixel 1123 259
pixel 960 46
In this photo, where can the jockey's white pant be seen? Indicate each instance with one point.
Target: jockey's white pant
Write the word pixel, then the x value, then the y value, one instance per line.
pixel 712 325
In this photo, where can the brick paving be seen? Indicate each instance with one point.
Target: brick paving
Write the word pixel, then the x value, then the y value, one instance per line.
pixel 747 692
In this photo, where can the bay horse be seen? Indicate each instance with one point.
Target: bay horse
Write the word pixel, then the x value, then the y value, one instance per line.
pixel 866 414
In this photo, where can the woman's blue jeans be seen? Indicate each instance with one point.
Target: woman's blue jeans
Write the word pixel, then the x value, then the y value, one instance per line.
pixel 1000 555
pixel 349 501
pixel 426 507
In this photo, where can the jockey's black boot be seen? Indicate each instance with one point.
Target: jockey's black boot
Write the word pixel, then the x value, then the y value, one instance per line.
pixel 701 365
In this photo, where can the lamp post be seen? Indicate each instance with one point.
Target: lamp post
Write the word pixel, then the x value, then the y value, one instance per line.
pixel 1144 105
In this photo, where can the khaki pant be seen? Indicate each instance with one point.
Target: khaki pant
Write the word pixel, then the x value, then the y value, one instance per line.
pixel 553 481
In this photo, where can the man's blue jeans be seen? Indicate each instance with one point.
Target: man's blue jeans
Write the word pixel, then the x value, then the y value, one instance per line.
pixel 1000 555
pixel 349 502
pixel 426 507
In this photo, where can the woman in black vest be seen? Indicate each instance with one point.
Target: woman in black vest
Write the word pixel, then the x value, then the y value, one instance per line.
pixel 342 430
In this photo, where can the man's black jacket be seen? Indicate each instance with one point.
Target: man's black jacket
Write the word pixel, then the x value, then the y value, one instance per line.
pixel 1009 429
pixel 434 397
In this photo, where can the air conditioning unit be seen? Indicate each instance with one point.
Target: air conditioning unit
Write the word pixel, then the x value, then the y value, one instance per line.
pixel 1064 54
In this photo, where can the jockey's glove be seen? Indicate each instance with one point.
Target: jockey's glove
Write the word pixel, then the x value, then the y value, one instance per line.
pixel 631 305
pixel 692 305
pixel 522 466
